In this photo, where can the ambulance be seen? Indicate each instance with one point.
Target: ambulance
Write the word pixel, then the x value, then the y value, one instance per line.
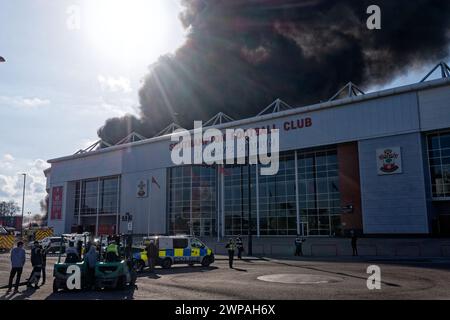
pixel 174 250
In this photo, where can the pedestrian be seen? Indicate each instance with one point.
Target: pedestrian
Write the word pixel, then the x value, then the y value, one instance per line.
pixel 80 248
pixel 44 264
pixel 239 246
pixel 17 262
pixel 71 254
pixel 36 263
pixel 112 252
pixel 230 247
pixel 354 243
pixel 299 246
pixel 91 258
pixel 152 255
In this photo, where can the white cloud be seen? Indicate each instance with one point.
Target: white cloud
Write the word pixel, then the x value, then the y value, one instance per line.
pixel 112 84
pixel 11 183
pixel 6 161
pixel 8 157
pixel 22 102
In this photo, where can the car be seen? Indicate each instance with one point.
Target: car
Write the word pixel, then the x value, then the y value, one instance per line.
pixel 174 250
pixel 54 244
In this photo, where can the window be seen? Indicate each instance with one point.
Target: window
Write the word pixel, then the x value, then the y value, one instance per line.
pixel 319 197
pixel 180 243
pixel 236 199
pixel 277 208
pixel 87 193
pixel 439 162
pixel 195 243
pixel 192 200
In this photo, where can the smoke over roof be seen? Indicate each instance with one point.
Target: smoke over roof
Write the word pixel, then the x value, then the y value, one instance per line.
pixel 240 55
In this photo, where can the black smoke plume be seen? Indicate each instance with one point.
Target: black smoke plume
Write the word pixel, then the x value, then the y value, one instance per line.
pixel 241 55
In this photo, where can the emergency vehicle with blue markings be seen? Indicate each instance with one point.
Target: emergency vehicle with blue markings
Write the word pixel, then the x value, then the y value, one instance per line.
pixel 174 250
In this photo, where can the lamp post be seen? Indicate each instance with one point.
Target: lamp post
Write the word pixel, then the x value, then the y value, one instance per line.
pixel 249 181
pixel 23 202
pixel 29 218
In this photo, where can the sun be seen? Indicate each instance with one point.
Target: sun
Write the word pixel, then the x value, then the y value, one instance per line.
pixel 129 29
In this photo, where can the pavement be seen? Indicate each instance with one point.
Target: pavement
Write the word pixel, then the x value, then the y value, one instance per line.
pixel 281 278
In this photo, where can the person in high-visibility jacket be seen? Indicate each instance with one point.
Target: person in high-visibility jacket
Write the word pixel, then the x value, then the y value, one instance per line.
pixel 230 246
pixel 112 252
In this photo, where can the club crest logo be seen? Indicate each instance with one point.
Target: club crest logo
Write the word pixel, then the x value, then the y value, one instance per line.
pixel 389 161
pixel 389 157
pixel 142 189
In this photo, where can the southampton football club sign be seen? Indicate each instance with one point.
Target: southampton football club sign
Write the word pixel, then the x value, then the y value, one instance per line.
pixel 389 161
pixel 142 189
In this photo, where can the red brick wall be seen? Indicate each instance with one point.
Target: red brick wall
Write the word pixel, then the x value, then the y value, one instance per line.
pixel 349 185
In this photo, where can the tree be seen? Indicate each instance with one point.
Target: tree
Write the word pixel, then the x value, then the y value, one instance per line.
pixel 8 208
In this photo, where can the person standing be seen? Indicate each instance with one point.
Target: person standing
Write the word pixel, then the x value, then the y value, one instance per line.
pixel 80 248
pixel 152 255
pixel 36 263
pixel 112 252
pixel 17 262
pixel 230 247
pixel 44 264
pixel 354 243
pixel 299 246
pixel 239 246
pixel 91 258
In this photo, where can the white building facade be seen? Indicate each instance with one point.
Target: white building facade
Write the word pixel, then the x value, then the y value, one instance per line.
pixel 376 163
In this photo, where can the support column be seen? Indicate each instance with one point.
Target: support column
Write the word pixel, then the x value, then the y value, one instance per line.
pixel 98 207
pixel 257 198
pixel 222 203
pixel 79 202
pixel 349 186
pixel 297 206
pixel 118 206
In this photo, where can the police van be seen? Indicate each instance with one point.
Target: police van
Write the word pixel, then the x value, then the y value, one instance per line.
pixel 174 250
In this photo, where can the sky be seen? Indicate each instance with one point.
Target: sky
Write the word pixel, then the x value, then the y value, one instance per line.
pixel 72 64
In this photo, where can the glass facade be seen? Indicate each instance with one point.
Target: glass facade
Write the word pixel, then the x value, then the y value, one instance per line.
pixel 193 205
pixel 319 197
pixel 102 194
pixel 192 200
pixel 439 161
pixel 236 199
pixel 277 203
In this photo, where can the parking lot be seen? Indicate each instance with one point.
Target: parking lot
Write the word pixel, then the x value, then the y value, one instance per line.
pixel 264 278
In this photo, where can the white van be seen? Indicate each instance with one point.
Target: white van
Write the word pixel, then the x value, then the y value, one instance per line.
pixel 174 250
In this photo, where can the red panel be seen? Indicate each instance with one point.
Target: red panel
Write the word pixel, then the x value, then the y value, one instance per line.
pixel 106 229
pixel 349 185
pixel 57 199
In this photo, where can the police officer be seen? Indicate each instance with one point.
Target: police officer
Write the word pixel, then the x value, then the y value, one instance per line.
pixel 230 246
pixel 152 255
pixel 299 245
pixel 239 246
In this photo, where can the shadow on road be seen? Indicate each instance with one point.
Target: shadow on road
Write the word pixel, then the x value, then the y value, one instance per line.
pixel 21 295
pixel 327 271
pixel 238 269
pixel 106 294
pixel 174 270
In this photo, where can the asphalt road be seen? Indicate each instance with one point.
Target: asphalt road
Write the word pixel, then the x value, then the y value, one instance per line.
pixel 282 279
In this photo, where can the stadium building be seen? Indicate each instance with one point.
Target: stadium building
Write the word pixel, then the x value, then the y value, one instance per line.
pixel 376 163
